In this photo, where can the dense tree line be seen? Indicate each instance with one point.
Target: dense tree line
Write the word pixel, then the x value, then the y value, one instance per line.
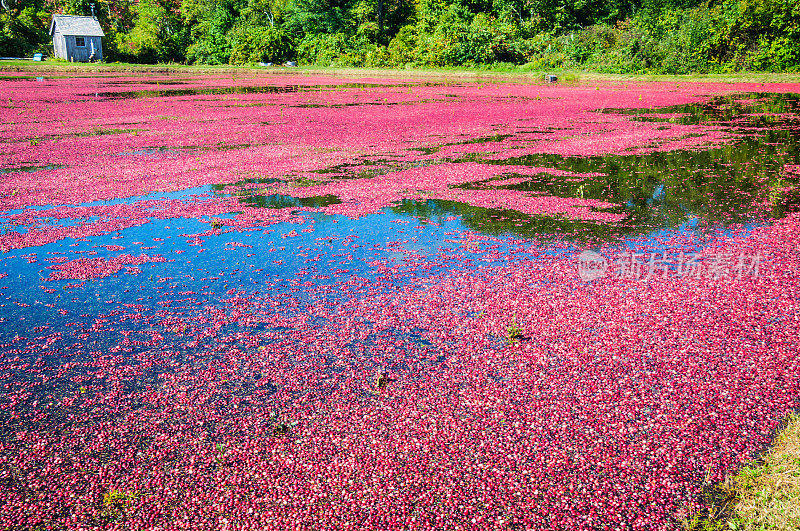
pixel 667 36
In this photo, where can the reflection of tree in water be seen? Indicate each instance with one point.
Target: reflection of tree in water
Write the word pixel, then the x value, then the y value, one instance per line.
pixel 731 184
pixel 247 89
pixel 287 201
pixel 503 221
pixel 737 183
pixel 755 109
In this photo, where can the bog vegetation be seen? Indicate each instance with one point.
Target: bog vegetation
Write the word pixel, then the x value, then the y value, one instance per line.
pixel 615 36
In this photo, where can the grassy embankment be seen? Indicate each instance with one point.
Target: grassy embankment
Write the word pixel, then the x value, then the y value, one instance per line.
pixel 489 74
pixel 764 494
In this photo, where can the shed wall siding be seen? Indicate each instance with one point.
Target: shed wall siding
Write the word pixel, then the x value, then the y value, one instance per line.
pixel 98 47
pixel 64 47
pixel 70 41
pixel 59 46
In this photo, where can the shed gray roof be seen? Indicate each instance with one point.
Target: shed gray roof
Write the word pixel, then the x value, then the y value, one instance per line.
pixel 74 25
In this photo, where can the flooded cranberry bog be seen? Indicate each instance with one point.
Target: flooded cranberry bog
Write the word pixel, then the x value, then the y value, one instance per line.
pixel 291 302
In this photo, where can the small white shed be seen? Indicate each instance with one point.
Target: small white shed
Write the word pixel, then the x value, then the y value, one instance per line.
pixel 77 38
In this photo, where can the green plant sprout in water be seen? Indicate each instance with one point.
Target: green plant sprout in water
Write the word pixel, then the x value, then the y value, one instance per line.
pixel 381 380
pixel 281 428
pixel 115 502
pixel 513 333
pixel 221 451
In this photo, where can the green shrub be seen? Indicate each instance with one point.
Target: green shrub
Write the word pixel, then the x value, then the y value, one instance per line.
pixel 544 51
pixel 24 32
pixel 401 49
pixel 591 43
pixel 210 41
pixel 462 39
pixel 253 44
pixel 340 49
pixel 758 35
pixel 665 41
pixel 377 56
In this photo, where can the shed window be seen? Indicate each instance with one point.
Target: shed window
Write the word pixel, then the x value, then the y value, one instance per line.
pixel 79 41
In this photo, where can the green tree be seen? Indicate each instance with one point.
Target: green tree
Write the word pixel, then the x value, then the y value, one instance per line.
pixel 23 27
pixel 758 34
pixel 158 33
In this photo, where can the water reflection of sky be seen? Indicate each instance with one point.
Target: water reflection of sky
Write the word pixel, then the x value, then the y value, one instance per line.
pixel 202 267
pixel 257 260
